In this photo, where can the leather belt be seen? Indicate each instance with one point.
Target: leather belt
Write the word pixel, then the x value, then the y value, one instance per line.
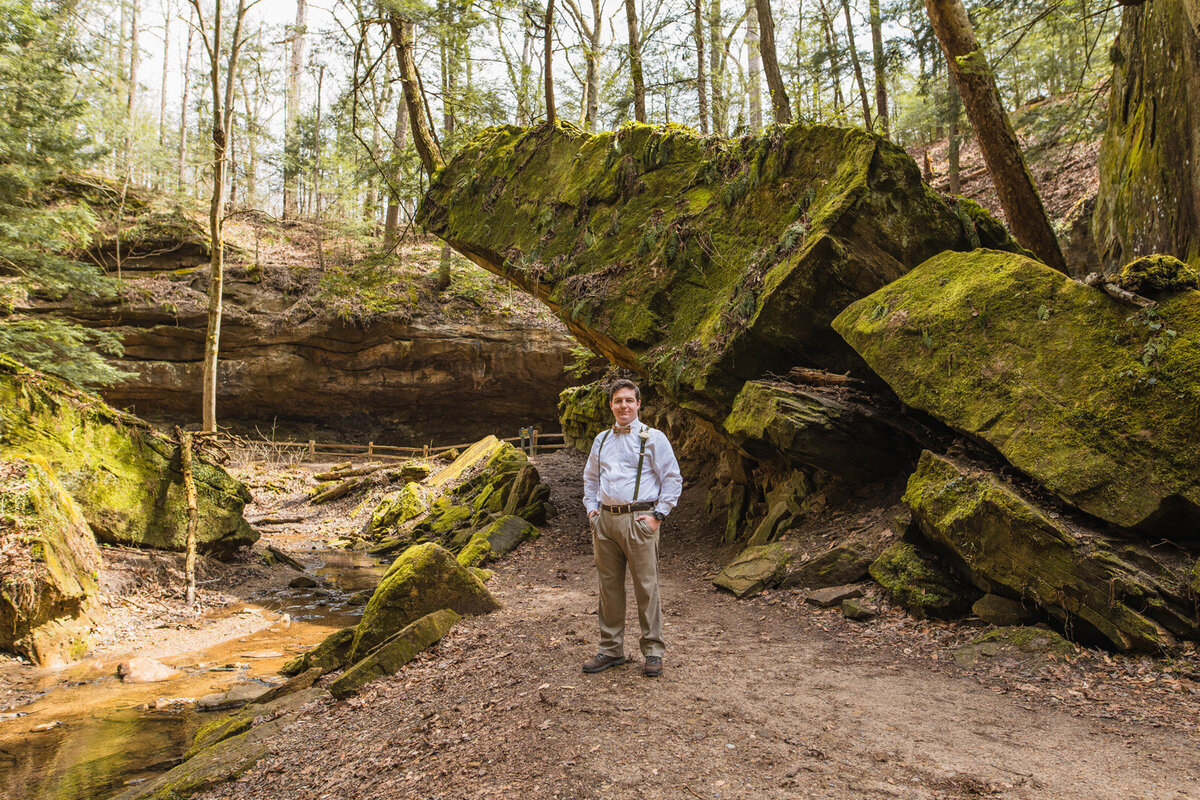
pixel 629 508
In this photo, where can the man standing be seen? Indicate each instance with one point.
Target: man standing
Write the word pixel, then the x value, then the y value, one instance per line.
pixel 630 484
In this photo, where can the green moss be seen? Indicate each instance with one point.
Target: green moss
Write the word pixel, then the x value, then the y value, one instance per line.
pixel 497 539
pixel 331 654
pixel 682 256
pixel 396 508
pixel 395 652
pixel 1153 275
pixel 918 581
pixel 1074 388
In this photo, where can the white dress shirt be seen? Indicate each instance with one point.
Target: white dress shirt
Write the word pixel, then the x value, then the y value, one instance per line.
pixel 611 471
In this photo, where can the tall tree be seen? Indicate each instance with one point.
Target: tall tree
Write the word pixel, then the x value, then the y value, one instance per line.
pixel 291 138
pixel 391 223
pixel 211 35
pixel 414 98
pixel 635 62
pixel 184 104
pixel 166 71
pixel 591 33
pixel 548 68
pixel 716 67
pixel 881 98
pixel 701 93
pixel 754 66
pixel 780 105
pixel 1001 150
pixel 858 73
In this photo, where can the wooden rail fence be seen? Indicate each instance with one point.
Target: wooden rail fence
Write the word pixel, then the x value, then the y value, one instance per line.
pixel 530 440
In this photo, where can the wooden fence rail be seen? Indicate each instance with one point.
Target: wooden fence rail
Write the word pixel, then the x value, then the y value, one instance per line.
pixel 531 441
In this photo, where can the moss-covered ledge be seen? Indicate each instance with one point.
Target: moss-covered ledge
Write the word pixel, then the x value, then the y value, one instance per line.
pixel 124 475
pixel 698 262
pixel 1097 400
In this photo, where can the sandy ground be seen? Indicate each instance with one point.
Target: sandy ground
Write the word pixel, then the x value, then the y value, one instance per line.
pixel 765 698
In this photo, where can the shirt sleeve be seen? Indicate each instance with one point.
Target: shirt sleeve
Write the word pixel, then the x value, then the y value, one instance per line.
pixel 666 467
pixel 591 478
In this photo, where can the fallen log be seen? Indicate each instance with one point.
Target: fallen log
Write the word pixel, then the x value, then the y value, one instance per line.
pixel 284 558
pixel 336 473
pixel 339 490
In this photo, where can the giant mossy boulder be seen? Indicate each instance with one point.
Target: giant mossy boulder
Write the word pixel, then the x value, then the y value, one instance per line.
pixel 1097 400
pixel 423 579
pixel 49 565
pixel 698 261
pixel 772 419
pixel 1126 591
pixel 124 475
pixel 1149 195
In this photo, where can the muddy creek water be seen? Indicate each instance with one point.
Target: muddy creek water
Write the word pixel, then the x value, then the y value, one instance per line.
pixel 91 736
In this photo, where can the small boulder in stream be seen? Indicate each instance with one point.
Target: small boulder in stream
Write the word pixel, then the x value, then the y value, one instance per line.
pixel 145 670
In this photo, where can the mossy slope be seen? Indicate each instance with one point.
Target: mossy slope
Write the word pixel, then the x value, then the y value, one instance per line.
pixel 696 261
pixel 124 475
pixel 48 576
pixel 1096 400
pixel 1085 578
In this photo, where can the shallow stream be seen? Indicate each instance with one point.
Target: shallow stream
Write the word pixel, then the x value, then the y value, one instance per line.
pixel 91 735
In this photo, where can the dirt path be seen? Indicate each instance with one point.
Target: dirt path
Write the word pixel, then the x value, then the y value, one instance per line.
pixel 766 698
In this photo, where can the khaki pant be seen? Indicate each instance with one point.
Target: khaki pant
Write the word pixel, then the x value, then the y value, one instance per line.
pixel 617 540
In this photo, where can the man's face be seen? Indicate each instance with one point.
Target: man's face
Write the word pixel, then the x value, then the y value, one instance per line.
pixel 625 406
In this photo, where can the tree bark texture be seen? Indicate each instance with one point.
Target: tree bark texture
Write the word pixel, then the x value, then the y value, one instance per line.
pixel 858 73
pixel 880 68
pixel 189 486
pixel 780 105
pixel 548 67
pixel 716 69
pixel 1001 150
pixel 291 139
pixel 701 89
pixel 753 66
pixel 635 62
pixel 183 107
pixel 391 225
pixel 427 148
pixel 1149 198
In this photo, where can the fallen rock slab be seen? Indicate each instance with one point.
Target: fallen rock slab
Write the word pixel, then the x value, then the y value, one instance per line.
pixel 145 670
pixel 243 719
pixel 236 696
pixel 1095 399
pixel 754 569
pixel 394 653
pixel 833 595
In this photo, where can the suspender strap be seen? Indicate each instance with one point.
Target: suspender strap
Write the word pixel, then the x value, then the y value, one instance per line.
pixel 641 459
pixel 599 450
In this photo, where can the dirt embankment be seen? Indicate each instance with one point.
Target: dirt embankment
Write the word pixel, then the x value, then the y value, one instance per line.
pixel 760 699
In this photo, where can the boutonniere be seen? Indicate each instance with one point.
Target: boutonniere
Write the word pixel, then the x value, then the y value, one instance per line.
pixel 644 433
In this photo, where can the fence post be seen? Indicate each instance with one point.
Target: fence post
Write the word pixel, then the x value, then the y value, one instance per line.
pixel 425 451
pixel 533 434
pixel 370 449
pixel 312 449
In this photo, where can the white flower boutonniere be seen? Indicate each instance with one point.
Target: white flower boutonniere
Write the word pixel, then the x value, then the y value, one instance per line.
pixel 644 433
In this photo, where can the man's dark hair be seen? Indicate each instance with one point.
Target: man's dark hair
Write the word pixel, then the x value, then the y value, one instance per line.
pixel 624 383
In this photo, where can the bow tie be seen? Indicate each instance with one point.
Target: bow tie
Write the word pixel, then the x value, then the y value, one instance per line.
pixel 621 429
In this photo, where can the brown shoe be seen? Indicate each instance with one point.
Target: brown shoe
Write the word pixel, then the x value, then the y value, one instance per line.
pixel 652 667
pixel 601 662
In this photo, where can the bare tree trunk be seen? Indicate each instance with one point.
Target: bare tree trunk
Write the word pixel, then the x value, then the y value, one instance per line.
pixel 834 62
pixel 291 138
pixel 189 486
pixel 316 169
pixel 183 106
pixel 881 98
pixel 391 225
pixel 701 93
pixel 427 148
pixel 635 62
pixel 162 94
pixel 548 70
pixel 754 66
pixel 591 59
pixel 1001 149
pixel 954 143
pixel 222 119
pixel 858 73
pixel 524 112
pixel 780 105
pixel 716 68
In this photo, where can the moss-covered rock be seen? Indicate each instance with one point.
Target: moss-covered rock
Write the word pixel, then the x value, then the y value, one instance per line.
pixel 1029 645
pixel 425 578
pixel 841 564
pixel 771 420
pixel 1148 201
pixel 583 412
pixel 331 654
pixel 471 457
pixel 754 569
pixel 1121 590
pixel 49 564
pixel 696 261
pixel 496 540
pixel 921 583
pixel 242 720
pixel 1157 274
pixel 396 508
pixel 395 652
pixel 1094 399
pixel 124 475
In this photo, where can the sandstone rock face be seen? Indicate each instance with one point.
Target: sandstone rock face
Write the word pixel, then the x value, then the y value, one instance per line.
pixel 1094 399
pixel 1149 200
pixel 123 474
pixel 1121 589
pixel 49 564
pixel 395 652
pixel 754 569
pixel 425 578
pixel 696 262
